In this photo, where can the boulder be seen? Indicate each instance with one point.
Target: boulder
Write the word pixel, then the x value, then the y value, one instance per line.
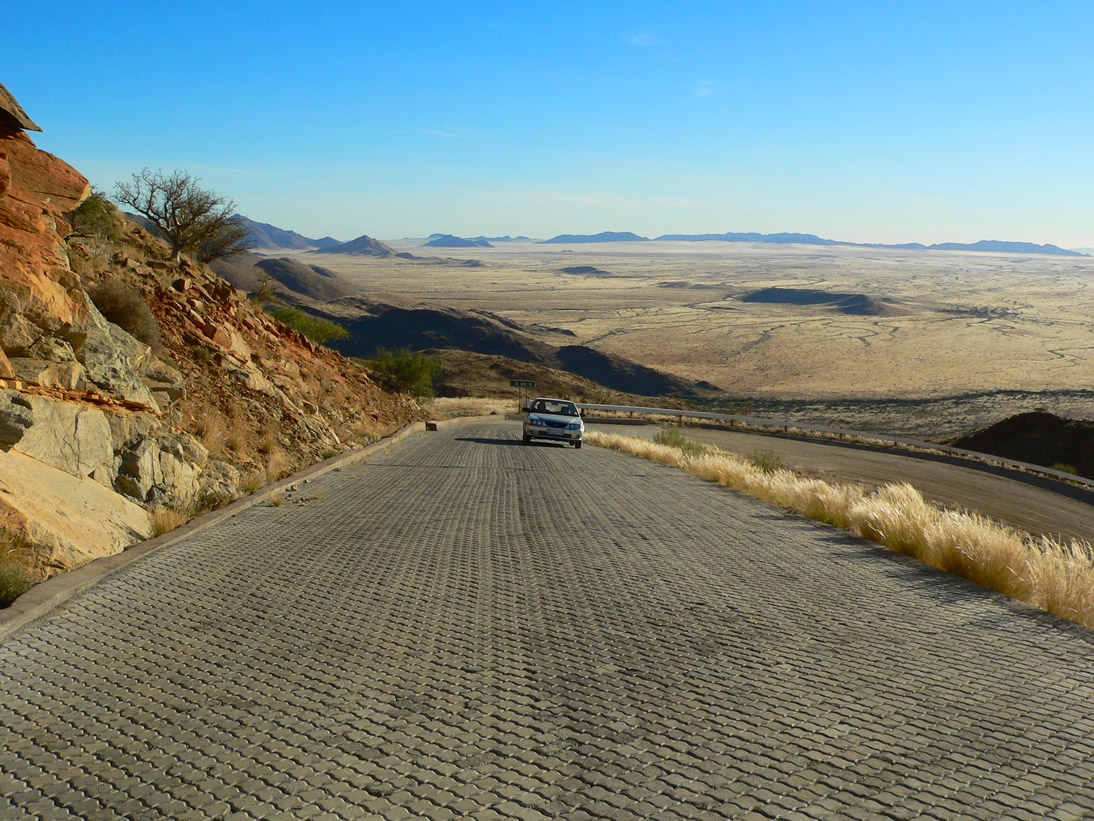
pixel 6 371
pixel 161 469
pixel 166 383
pixel 68 436
pixel 16 417
pixel 69 520
pixel 219 484
pixel 252 377
pixel 113 360
pixel 70 375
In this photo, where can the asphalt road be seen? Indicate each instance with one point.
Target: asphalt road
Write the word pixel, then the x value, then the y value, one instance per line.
pixel 1016 499
pixel 465 627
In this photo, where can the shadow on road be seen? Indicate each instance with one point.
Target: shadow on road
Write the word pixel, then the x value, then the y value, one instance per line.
pixel 482 440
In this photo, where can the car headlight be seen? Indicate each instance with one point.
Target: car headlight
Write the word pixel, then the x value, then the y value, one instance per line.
pixel 574 426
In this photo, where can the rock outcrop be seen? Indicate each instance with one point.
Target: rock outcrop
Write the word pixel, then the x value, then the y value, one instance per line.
pixel 99 429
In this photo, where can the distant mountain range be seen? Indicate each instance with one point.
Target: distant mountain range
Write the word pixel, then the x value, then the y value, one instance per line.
pixel 449 241
pixel 265 236
pixel 997 246
pixel 269 237
pixel 603 236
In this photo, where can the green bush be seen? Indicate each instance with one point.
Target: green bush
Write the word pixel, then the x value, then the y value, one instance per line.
pixel 675 439
pixel 405 371
pixel 315 328
pixel 766 460
pixel 1063 467
pixel 96 217
pixel 201 354
pixel 14 579
pixel 126 308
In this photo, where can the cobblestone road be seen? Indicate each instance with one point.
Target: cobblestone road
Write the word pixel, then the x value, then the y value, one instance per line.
pixel 469 628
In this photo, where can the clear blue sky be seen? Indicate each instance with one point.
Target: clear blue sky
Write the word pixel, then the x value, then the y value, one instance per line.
pixel 858 120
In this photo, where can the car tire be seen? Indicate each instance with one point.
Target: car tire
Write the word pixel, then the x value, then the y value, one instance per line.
pixel 577 445
pixel 527 440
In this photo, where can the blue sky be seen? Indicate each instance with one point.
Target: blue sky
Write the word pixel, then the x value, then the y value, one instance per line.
pixel 864 121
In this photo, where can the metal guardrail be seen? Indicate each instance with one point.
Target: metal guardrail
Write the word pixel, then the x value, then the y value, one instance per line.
pixel 762 422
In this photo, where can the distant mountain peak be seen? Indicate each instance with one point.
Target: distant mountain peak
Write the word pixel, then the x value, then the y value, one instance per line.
pixel 450 241
pixel 603 236
pixel 269 237
pixel 364 245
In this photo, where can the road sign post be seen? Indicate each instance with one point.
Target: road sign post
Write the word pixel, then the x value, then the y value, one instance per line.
pixel 520 385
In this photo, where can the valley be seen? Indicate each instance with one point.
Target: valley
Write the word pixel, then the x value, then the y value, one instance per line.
pixel 932 343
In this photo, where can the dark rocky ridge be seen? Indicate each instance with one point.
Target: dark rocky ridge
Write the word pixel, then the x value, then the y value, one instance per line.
pixel 374 325
pixel 1039 438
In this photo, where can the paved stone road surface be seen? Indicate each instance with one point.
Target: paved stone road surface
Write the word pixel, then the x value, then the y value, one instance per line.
pixel 470 628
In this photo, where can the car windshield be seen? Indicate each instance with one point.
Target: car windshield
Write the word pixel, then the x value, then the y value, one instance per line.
pixel 558 408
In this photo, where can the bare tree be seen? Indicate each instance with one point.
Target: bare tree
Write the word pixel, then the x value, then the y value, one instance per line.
pixel 193 220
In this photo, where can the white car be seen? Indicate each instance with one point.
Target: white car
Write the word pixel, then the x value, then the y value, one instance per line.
pixel 556 419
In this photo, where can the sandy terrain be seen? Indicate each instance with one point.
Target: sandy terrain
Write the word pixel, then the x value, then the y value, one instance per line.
pixel 1018 328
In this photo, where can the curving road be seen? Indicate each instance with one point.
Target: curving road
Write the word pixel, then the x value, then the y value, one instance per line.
pixel 468 628
pixel 1027 502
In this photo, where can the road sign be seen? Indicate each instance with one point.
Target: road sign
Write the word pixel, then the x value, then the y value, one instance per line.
pixel 521 383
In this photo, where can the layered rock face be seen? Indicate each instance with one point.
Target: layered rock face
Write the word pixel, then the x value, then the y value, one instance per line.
pixel 99 429
pixel 40 293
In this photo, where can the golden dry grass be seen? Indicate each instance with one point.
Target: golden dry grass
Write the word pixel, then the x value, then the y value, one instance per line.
pixel 444 407
pixel 166 519
pixel 1055 575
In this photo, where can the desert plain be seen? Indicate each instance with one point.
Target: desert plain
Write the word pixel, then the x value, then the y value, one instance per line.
pixel 932 343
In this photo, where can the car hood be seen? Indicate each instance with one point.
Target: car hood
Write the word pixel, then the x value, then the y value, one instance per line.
pixel 553 417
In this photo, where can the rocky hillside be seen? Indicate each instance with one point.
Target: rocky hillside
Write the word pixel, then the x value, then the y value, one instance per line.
pixel 1039 438
pixel 130 384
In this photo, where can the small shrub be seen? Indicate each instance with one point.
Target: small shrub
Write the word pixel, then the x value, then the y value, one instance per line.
pixel 405 371
pixel 328 454
pixel 201 354
pixel 277 499
pixel 674 438
pixel 265 293
pixel 1063 467
pixel 315 328
pixel 96 218
pixel 15 580
pixel 126 308
pixel 766 460
pixel 166 519
pixel 252 482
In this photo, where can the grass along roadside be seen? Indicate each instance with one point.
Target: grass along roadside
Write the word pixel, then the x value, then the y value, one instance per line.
pixel 1057 576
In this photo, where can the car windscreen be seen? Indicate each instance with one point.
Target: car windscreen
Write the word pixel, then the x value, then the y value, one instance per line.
pixel 557 408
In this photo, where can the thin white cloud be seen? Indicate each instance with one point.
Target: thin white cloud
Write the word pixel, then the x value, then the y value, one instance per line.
pixel 641 38
pixel 704 88
pixel 448 132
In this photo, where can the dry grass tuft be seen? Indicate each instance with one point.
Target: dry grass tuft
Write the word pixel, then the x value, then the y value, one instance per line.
pixel 166 519
pixel 1054 575
pixel 16 578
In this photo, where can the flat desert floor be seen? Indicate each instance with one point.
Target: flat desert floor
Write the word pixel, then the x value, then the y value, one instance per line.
pixel 929 335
